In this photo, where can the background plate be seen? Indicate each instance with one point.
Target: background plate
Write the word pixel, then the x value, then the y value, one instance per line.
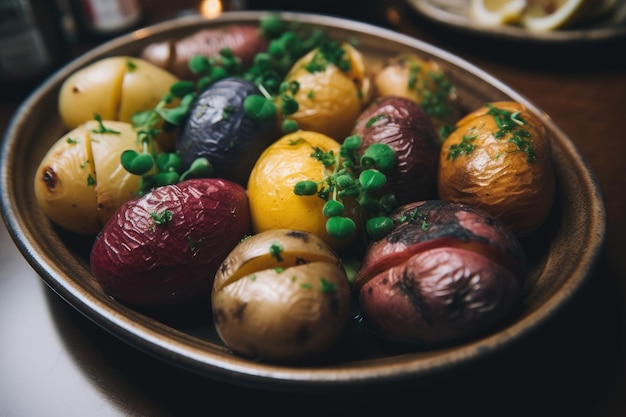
pixel 454 14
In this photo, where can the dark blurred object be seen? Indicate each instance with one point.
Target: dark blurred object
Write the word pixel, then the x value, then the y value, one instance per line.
pixel 363 10
pixel 34 40
pixel 100 20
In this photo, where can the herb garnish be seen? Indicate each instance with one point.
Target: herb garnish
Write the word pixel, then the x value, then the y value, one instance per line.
pixel 354 178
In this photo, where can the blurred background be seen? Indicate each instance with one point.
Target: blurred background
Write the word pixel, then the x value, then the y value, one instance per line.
pixel 38 36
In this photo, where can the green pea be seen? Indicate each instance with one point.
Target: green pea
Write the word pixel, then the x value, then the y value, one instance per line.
pixel 381 155
pixel 379 227
pixel 352 143
pixel 166 178
pixel 259 107
pixel 182 87
pixel 333 208
pixel 289 126
pixel 306 187
pixel 169 161
pixel 372 180
pixel 344 181
pixel 369 203
pixel 199 64
pixel 136 163
pixel 340 227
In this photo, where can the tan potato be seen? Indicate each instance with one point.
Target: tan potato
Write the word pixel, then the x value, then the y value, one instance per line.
pixel 499 159
pixel 281 295
pixel 80 181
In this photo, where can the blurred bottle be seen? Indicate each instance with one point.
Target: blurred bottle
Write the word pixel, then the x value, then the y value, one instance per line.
pixel 100 20
pixel 34 41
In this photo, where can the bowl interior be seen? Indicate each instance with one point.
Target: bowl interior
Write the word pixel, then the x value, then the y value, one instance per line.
pixel 562 252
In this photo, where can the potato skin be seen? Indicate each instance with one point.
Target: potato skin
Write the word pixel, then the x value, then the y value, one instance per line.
pixel 173 55
pixel 80 181
pixel 402 124
pixel 446 272
pixel 281 307
pixel 329 98
pixel 219 129
pixel 149 265
pixel 422 80
pixel 115 88
pixel 511 177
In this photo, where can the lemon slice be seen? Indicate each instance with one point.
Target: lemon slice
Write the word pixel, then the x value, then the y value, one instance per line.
pixel 497 12
pixel 547 15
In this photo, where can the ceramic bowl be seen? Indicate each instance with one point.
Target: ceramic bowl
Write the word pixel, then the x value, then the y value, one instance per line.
pixel 562 253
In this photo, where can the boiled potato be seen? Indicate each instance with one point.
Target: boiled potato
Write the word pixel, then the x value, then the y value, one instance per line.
pixel 273 203
pixel 115 88
pixel 421 80
pixel 499 159
pixel 329 98
pixel 80 181
pixel 280 295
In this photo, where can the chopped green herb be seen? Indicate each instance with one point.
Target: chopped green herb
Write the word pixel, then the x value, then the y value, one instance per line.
pixel 275 251
pixel 161 218
pixel 101 128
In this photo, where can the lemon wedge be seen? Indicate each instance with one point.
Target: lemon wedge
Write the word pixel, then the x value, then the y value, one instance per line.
pixel 497 12
pixel 547 15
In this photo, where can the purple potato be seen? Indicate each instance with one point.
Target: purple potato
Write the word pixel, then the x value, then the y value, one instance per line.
pixel 219 129
pixel 164 248
pixel 404 125
pixel 446 272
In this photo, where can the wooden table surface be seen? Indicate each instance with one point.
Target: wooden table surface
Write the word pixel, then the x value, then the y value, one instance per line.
pixel 55 362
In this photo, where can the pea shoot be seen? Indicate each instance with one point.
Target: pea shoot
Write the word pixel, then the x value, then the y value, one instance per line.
pixel 288 42
pixel 357 179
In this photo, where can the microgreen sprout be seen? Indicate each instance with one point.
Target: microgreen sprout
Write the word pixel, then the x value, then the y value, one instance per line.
pixel 288 42
pixel 356 179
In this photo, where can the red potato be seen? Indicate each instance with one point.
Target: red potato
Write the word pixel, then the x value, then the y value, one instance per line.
pixel 402 124
pixel 446 272
pixel 173 55
pixel 164 248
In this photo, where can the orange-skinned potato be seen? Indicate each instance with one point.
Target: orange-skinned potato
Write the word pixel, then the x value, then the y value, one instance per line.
pixel 499 159
pixel 423 81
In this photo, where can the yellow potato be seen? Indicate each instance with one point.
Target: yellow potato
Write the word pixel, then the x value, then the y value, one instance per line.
pixel 115 88
pixel 499 160
pixel 273 203
pixel 65 183
pixel 329 99
pixel 80 181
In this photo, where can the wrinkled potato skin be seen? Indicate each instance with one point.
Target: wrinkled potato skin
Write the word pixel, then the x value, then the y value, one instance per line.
pixel 80 181
pixel 408 130
pixel 154 266
pixel 497 176
pixel 280 311
pixel 329 100
pixel 450 273
pixel 433 299
pixel 173 55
